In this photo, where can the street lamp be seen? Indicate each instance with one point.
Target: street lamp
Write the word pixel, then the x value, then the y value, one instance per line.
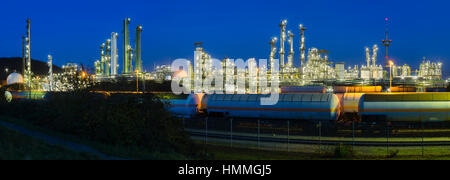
pixel 391 63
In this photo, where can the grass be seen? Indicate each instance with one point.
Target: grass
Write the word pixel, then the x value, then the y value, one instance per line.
pixel 221 152
pixel 325 138
pixel 244 150
pixel 125 152
pixel 17 146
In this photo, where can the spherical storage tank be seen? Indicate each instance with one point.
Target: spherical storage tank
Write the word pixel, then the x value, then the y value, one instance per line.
pixel 8 96
pixel 309 107
pixel 14 78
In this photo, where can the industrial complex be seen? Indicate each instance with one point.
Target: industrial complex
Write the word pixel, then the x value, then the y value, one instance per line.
pixel 250 82
pixel 372 94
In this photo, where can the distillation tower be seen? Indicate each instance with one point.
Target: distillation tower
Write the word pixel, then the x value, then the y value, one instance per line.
pixel 108 57
pixel 273 51
pixel 114 54
pixel 28 73
pixel 302 47
pixel 24 51
pixel 127 50
pixel 50 73
pixel 290 64
pixel 102 59
pixel 138 60
pixel 283 25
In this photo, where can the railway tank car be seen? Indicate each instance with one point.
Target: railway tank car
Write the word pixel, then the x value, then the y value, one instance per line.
pixel 29 95
pixel 309 107
pixel 185 108
pixel 350 102
pixel 405 107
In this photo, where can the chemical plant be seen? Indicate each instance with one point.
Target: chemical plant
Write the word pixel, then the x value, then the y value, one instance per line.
pixel 315 67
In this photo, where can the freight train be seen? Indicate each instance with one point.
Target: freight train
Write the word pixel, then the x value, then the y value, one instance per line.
pixel 369 107
pixel 27 95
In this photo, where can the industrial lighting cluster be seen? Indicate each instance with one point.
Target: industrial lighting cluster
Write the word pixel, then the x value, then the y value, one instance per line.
pixel 72 77
pixel 430 71
pixel 372 70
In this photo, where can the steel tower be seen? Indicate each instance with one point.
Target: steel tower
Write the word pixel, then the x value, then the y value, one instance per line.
pixel 386 43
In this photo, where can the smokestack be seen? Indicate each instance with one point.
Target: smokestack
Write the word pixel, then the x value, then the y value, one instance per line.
pixel 138 49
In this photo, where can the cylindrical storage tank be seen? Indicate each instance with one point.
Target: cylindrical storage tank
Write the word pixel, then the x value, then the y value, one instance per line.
pixel 204 103
pixel 185 107
pixel 406 107
pixel 29 95
pixel 310 107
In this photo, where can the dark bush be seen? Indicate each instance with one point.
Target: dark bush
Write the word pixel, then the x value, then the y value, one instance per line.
pixel 2 95
pixel 118 119
pixel 393 153
pixel 343 151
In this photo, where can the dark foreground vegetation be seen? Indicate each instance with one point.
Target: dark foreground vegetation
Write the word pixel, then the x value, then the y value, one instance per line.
pixel 17 146
pixel 116 119
pixel 162 89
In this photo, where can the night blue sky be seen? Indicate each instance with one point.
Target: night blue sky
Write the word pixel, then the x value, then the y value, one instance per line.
pixel 73 30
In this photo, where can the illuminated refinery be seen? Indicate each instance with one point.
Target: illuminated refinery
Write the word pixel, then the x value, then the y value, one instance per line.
pixel 306 88
pixel 315 67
